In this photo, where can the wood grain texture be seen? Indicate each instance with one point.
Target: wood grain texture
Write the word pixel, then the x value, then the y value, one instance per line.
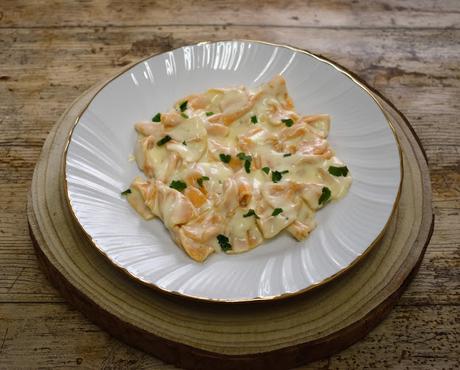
pixel 294 13
pixel 404 340
pixel 407 49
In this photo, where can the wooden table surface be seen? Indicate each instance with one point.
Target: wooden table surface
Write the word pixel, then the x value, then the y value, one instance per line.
pixel 53 50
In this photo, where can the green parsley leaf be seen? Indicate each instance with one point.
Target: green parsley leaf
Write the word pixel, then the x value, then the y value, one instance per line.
pixel 224 242
pixel 254 119
pixel 247 164
pixel 184 143
pixel 164 140
pixel 266 169
pixel 183 105
pixel 338 171
pixel 178 185
pixel 157 118
pixel 277 176
pixel 277 211
pixel 241 156
pixel 209 113
pixel 287 155
pixel 226 158
pixel 247 161
pixel 184 115
pixel 126 192
pixel 325 195
pixel 288 122
pixel 201 179
pixel 251 212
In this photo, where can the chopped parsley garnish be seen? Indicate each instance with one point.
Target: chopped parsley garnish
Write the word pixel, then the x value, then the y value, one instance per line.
pixel 277 176
pixel 254 119
pixel 325 195
pixel 338 171
pixel 288 122
pixel 250 213
pixel 178 185
pixel 224 242
pixel 183 106
pixel 126 192
pixel 241 156
pixel 226 158
pixel 209 113
pixel 287 155
pixel 266 169
pixel 184 143
pixel 247 164
pixel 277 211
pixel 164 140
pixel 157 118
pixel 247 161
pixel 201 179
pixel 184 115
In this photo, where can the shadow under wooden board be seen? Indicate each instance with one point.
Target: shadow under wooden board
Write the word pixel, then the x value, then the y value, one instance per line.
pixel 199 335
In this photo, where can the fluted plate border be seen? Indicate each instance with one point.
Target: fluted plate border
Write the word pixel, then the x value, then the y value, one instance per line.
pixel 255 298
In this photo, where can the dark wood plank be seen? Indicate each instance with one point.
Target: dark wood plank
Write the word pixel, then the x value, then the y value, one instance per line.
pixel 33 337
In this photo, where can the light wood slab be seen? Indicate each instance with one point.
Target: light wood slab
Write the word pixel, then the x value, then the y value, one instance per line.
pixel 199 335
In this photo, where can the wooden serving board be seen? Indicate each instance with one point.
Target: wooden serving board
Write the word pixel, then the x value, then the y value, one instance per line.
pixel 199 335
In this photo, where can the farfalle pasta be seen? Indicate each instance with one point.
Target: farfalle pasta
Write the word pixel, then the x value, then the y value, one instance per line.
pixel 228 168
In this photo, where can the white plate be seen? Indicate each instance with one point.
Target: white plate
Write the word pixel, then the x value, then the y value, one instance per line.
pixel 97 170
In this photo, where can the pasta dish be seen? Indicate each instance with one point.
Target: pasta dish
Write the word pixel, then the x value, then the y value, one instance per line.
pixel 230 167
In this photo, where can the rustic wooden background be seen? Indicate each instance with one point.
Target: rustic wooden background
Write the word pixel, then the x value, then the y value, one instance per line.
pixel 53 50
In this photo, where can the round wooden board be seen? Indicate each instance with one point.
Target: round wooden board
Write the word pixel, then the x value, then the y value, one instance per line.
pixel 200 335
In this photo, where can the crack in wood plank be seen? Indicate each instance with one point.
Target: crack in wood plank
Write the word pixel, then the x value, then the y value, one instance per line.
pixel 4 339
pixel 15 280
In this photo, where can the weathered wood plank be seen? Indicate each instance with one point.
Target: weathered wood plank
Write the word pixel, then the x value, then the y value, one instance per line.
pixel 54 335
pixel 410 338
pixel 46 335
pixel 294 13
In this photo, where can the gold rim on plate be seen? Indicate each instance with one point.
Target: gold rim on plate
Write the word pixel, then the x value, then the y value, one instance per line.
pixel 370 91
